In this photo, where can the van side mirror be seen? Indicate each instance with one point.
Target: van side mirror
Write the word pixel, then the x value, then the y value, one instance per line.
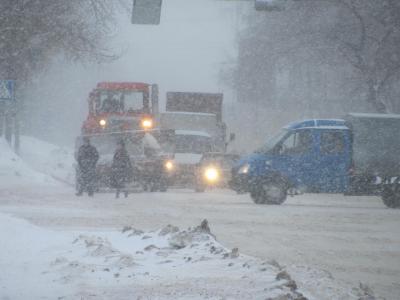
pixel 146 12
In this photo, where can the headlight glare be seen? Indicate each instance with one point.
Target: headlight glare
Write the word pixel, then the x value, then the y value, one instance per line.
pixel 244 169
pixel 147 123
pixel 103 122
pixel 169 165
pixel 211 174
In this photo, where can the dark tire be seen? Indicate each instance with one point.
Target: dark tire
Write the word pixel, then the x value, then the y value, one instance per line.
pixel 272 192
pixel 391 196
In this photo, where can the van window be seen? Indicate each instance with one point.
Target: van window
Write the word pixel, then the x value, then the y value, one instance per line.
pixel 299 142
pixel 332 142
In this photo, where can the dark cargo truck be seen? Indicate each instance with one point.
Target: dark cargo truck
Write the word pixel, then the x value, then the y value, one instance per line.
pixel 358 155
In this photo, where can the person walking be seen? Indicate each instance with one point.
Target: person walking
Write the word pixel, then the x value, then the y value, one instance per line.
pixel 121 169
pixel 87 158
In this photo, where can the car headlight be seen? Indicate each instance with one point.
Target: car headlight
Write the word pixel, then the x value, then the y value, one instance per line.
pixel 211 174
pixel 169 166
pixel 244 169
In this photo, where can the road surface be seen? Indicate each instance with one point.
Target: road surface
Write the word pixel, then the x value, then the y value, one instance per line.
pixel 356 239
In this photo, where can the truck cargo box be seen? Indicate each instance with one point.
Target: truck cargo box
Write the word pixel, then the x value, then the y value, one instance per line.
pixel 195 102
pixel 376 143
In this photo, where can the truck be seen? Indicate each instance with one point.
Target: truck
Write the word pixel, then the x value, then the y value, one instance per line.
pixel 196 119
pixel 356 155
pixel 127 111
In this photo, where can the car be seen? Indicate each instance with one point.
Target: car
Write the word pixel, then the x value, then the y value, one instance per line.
pixel 214 170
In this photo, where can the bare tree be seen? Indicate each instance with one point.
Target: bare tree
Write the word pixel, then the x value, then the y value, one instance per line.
pixel 32 31
pixel 368 34
pixel 334 51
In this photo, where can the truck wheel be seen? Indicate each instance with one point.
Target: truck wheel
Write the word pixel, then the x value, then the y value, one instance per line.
pixel 270 192
pixel 391 197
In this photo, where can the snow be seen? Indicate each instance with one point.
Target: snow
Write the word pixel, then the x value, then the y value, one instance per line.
pixel 14 172
pixel 187 113
pixel 375 116
pixel 326 127
pixel 192 132
pixel 321 246
pixel 163 264
pixel 54 161
pixel 151 142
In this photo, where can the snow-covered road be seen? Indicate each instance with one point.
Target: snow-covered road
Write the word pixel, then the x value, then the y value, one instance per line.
pixel 356 239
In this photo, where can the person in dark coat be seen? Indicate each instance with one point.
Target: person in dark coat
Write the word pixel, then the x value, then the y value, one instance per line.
pixel 121 169
pixel 87 158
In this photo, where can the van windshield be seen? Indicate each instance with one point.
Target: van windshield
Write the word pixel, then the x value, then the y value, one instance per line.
pixel 192 144
pixel 272 142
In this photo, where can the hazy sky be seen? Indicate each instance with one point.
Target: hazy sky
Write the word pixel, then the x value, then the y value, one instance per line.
pixel 184 53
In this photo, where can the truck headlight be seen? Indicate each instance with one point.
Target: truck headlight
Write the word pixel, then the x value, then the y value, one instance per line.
pixel 147 123
pixel 103 122
pixel 169 166
pixel 244 169
pixel 211 174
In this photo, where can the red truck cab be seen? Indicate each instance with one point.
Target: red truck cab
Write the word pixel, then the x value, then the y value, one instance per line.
pixel 121 106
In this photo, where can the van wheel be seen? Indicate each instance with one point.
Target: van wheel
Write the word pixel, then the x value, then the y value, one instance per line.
pixel 270 192
pixel 391 196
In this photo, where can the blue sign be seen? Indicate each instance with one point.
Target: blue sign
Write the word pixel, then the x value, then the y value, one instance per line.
pixel 7 90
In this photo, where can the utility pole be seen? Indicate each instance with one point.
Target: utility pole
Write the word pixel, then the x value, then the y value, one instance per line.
pixel 9 113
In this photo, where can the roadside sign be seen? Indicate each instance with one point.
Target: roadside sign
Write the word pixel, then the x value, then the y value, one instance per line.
pixel 7 90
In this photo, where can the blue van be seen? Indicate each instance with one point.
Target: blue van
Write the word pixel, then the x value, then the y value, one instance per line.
pixel 359 155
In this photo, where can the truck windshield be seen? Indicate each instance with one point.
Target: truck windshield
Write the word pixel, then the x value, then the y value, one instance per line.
pixel 272 142
pixel 120 101
pixel 192 144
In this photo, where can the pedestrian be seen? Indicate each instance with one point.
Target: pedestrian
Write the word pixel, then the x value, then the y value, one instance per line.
pixel 87 158
pixel 121 169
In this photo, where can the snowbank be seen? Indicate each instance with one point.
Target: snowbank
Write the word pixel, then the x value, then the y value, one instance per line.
pixel 132 264
pixel 52 160
pixel 15 172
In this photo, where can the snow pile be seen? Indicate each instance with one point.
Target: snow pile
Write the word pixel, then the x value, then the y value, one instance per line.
pixel 168 264
pixel 49 159
pixel 15 172
pixel 133 264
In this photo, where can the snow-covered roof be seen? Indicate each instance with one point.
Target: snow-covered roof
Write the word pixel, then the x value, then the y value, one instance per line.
pixel 327 127
pixel 375 116
pixel 189 113
pixel 192 132
pixel 318 123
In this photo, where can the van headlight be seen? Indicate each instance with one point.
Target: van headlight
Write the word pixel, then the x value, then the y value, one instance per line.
pixel 244 169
